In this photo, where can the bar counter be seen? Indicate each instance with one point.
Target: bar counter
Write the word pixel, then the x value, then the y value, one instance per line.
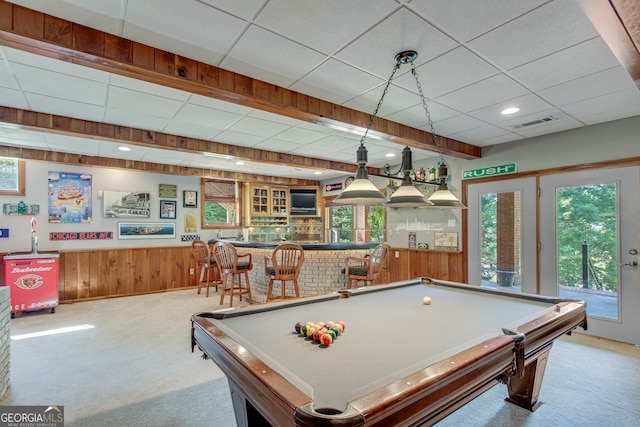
pixel 320 272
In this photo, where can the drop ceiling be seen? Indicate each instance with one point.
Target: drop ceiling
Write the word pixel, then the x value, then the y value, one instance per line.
pixel 475 58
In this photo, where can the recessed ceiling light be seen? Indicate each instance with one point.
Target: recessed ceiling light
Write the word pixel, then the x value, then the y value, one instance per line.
pixel 240 163
pixel 123 148
pixel 510 110
pixel 390 155
pixel 318 173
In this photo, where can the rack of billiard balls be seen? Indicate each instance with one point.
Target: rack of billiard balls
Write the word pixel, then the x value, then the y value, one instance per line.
pixel 322 332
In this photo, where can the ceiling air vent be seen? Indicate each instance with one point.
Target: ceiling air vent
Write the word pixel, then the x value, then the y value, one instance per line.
pixel 535 122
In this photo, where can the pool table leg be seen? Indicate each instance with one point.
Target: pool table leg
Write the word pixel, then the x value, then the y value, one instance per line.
pixel 524 391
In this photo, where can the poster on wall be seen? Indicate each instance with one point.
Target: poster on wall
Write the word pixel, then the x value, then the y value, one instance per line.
pixel 126 204
pixel 69 198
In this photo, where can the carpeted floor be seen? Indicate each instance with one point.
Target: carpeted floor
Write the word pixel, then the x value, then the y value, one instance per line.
pixel 135 368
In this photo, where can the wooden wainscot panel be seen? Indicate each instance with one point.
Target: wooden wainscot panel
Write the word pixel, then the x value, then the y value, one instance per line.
pixel 412 263
pixel 94 274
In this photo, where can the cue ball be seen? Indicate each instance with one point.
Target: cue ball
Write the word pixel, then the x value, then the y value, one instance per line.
pixel 426 300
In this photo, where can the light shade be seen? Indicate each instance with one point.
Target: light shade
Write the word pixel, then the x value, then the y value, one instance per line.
pixel 407 196
pixel 361 191
pixel 443 198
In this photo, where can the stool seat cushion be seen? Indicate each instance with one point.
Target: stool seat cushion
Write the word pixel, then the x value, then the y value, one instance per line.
pixel 357 270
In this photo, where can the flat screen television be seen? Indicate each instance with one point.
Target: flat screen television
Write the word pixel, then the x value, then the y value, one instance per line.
pixel 302 201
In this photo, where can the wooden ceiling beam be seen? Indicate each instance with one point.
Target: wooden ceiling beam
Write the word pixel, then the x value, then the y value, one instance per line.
pixel 42 34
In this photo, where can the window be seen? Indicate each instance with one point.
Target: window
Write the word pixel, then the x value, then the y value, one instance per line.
pixel 347 223
pixel 12 177
pixel 221 204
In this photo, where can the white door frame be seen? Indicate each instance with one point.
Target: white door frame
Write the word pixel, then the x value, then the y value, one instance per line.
pixel 625 328
pixel 527 189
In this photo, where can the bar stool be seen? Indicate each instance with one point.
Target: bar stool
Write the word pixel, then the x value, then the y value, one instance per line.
pixel 208 270
pixel 232 264
pixel 365 269
pixel 284 264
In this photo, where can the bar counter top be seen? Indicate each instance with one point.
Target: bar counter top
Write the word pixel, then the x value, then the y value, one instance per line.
pixel 306 246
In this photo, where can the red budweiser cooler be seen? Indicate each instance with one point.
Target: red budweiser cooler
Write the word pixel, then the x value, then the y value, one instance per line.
pixel 33 279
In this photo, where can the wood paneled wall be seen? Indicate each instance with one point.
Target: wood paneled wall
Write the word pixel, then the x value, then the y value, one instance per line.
pixel 103 273
pixel 93 274
pixel 412 263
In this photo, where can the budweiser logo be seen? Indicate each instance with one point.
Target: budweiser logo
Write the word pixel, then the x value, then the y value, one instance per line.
pixel 30 269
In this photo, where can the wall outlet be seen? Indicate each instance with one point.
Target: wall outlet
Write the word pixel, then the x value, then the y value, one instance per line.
pixel 192 271
pixel 452 223
pixel 397 254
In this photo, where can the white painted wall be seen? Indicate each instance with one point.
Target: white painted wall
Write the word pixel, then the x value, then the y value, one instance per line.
pixel 102 179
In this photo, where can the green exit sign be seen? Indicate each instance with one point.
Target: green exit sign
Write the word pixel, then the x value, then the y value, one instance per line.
pixel 489 171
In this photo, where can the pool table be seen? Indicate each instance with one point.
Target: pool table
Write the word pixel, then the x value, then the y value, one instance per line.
pixel 398 362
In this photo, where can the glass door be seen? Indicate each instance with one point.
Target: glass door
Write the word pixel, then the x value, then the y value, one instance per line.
pixel 589 246
pixel 502 234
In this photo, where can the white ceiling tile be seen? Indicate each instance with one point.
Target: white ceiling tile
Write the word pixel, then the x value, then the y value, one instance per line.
pixel 466 19
pixel 416 116
pixel 216 104
pixel 254 55
pixel 206 117
pixel 455 124
pixel 53 66
pixel 57 85
pixel 577 61
pixel 278 145
pixel 397 98
pixel 487 92
pixel 6 76
pixel 536 34
pixel 258 127
pixel 12 131
pixel 13 98
pixel 111 150
pixel 238 138
pixel 148 88
pixel 591 86
pixel 321 82
pixel 100 14
pixel 66 108
pixel 69 144
pixel 245 9
pixel 191 130
pixel 375 51
pixel 528 104
pixel 300 135
pixel 457 68
pixel 185 27
pixel 271 117
pixel 338 21
pixel 140 102
pixel 480 133
pixel 612 106
pixel 131 118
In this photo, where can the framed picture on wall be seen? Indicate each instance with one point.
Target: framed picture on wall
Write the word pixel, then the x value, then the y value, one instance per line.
pixel 167 209
pixel 169 191
pixel 190 199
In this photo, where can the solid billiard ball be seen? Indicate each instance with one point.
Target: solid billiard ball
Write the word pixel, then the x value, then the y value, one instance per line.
pixel 426 300
pixel 330 323
pixel 298 326
pixel 336 330
pixel 316 335
pixel 325 339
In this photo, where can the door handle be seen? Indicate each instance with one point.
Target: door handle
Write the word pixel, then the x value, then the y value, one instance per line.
pixel 632 264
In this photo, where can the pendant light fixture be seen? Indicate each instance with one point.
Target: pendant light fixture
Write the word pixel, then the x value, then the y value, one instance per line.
pixel 363 192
